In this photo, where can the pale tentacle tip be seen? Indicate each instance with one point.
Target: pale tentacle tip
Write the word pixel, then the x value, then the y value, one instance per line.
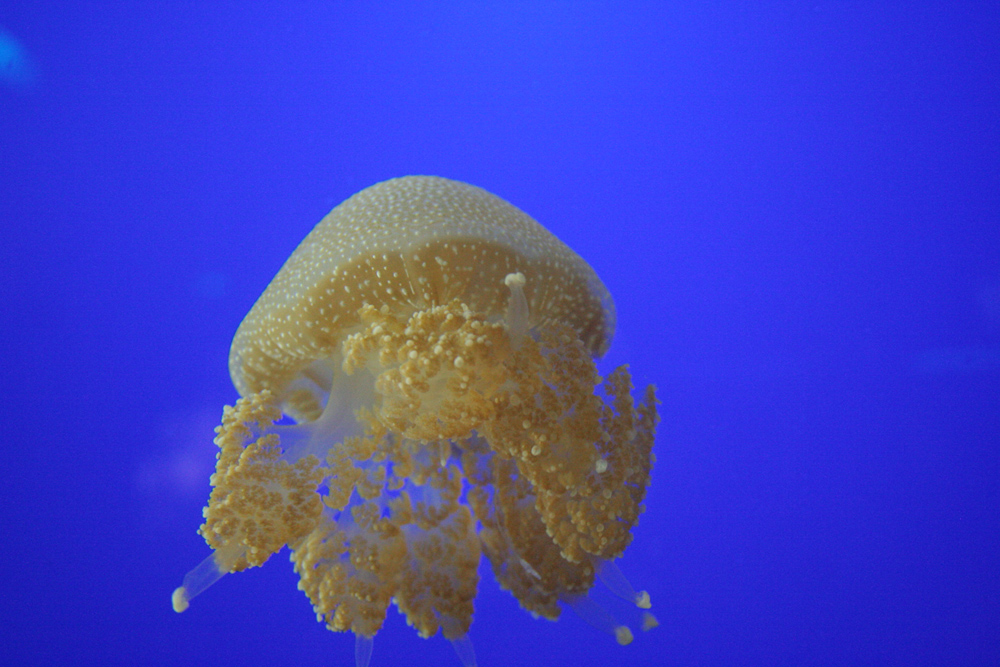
pixel 642 600
pixel 179 599
pixel 204 574
pixel 623 635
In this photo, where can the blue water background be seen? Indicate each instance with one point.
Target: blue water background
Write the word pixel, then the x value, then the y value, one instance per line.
pixel 795 206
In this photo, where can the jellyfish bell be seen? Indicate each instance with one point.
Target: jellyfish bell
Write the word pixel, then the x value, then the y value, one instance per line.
pixel 409 244
pixel 435 347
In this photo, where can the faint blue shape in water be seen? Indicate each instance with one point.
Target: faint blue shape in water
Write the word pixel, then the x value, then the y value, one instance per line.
pixel 958 361
pixel 16 68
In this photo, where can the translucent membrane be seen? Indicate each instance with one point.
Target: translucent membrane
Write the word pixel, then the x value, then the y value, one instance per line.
pixel 612 577
pixel 206 573
pixel 363 650
pixel 463 647
pixel 337 423
pixel 599 617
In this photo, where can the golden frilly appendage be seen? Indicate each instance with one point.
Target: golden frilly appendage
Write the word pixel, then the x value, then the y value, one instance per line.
pixel 478 438
pixel 259 502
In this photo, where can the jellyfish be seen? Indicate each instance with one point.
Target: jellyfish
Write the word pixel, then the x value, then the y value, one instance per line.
pixel 418 389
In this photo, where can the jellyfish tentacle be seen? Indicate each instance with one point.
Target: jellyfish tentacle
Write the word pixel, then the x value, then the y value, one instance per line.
pixel 599 617
pixel 612 577
pixel 363 649
pixel 466 653
pixel 217 564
